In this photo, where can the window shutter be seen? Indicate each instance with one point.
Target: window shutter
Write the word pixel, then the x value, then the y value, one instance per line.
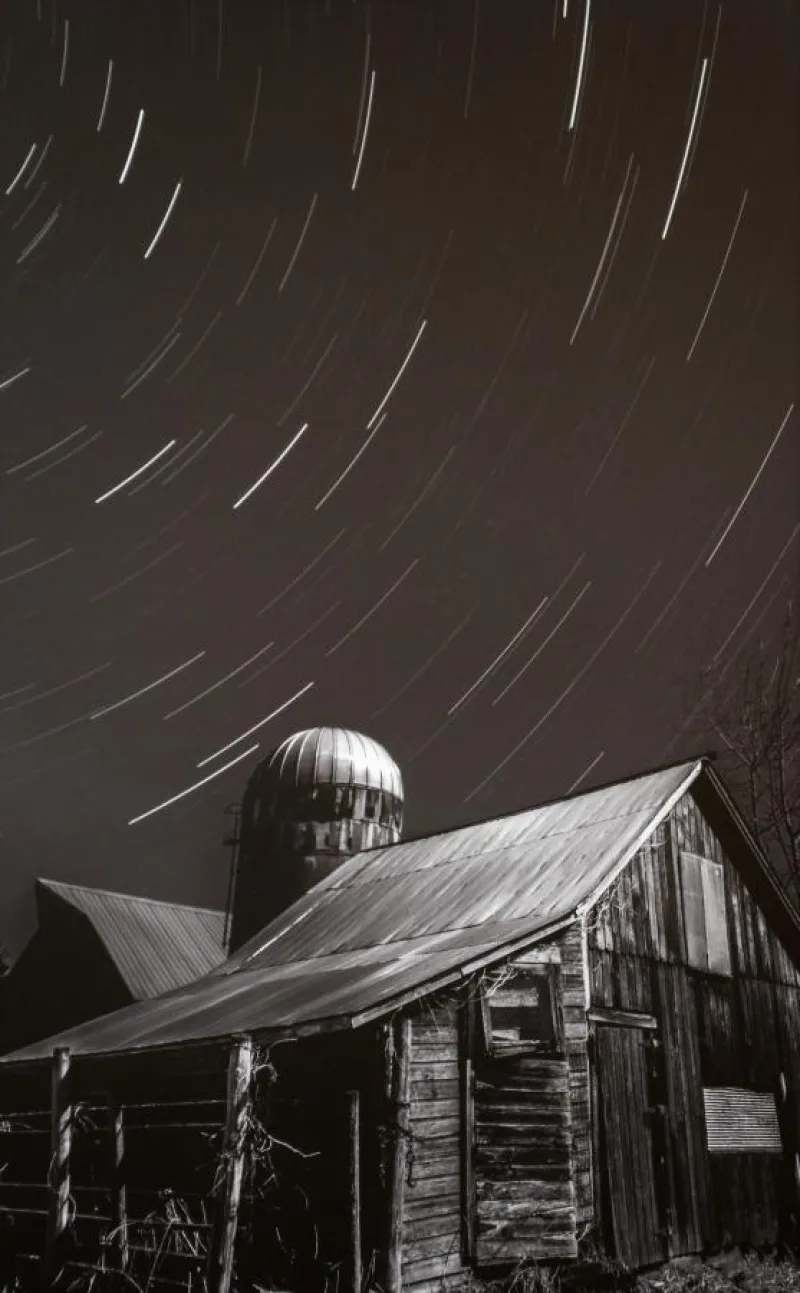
pixel 694 916
pixel 719 952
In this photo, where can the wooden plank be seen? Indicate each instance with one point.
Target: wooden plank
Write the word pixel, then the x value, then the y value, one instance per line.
pixel 423 1190
pixel 438 1052
pixel 622 1018
pixel 445 1198
pixel 547 1192
pixel 434 1268
pixel 119 1194
pixel 446 1247
pixel 434 1110
pixel 531 1208
pixel 435 1152
pixel 468 1198
pixel 442 1225
pixel 436 1128
pixel 520 1164
pixel 221 1250
pixel 398 1167
pixel 58 1209
pixel 499 1252
pixel 354 1191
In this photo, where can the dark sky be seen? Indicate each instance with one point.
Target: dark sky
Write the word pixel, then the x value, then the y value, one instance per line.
pixel 495 299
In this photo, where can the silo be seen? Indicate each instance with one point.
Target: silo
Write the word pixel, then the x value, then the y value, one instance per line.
pixel 320 796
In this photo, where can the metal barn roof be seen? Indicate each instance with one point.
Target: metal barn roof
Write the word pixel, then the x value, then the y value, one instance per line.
pixel 155 946
pixel 402 919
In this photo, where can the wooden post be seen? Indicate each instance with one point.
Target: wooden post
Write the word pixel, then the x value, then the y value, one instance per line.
pixel 58 1181
pixel 119 1192
pixel 468 1168
pixel 468 1047
pixel 354 1189
pixel 397 1179
pixel 240 1068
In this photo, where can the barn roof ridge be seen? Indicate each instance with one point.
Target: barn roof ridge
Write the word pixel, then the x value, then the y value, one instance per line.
pixel 705 757
pixel 59 886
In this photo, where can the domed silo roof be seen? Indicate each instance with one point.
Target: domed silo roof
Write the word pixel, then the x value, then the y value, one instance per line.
pixel 332 756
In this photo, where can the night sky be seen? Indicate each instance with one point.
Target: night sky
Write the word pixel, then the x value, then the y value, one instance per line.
pixel 422 367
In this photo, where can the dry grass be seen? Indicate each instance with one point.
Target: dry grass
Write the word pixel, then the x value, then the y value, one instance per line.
pixel 730 1273
pixel 749 1274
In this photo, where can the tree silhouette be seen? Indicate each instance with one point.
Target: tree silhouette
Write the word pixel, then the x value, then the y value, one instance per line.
pixel 752 708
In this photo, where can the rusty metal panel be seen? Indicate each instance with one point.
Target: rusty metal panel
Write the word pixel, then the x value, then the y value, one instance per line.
pixel 739 1121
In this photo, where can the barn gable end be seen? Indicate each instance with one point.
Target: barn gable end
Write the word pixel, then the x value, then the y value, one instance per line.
pixel 679 945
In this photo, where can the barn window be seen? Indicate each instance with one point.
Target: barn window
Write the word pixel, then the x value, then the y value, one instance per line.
pixel 704 915
pixel 739 1121
pixel 520 1012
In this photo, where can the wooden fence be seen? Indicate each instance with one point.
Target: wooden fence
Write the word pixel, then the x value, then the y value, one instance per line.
pixel 144 1171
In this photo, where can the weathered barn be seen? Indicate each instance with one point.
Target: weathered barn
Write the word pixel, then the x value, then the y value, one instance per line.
pixel 580 1021
pixel 95 951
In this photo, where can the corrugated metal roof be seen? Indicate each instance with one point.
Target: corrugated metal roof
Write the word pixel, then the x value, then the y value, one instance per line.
pixel 155 946
pixel 401 918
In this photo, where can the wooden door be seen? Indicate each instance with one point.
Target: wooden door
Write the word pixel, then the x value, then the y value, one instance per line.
pixel 525 1196
pixel 630 1195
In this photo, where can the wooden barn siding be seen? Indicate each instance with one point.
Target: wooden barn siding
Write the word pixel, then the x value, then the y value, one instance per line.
pixel 432 1228
pixel 523 1160
pixel 742 1030
pixel 573 1001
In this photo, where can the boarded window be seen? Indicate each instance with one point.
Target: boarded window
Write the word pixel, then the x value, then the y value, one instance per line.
pixel 739 1121
pixel 520 1012
pixel 704 916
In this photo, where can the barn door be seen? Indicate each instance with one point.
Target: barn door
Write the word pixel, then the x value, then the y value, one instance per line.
pixel 525 1196
pixel 631 1203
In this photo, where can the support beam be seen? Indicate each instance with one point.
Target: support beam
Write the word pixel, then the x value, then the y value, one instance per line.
pixel 354 1190
pixel 58 1179
pixel 468 1213
pixel 240 1069
pixel 399 1160
pixel 119 1191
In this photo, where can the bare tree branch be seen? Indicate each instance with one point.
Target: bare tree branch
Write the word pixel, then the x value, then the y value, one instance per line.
pixel 753 715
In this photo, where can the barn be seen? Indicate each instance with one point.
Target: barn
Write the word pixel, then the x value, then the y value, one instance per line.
pixel 573 1027
pixel 94 951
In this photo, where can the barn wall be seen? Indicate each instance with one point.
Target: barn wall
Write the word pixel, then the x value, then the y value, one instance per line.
pixel 738 1030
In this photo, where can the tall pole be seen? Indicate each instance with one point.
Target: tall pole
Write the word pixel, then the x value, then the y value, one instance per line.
pixel 119 1193
pixel 354 1190
pixel 397 1181
pixel 58 1176
pixel 240 1068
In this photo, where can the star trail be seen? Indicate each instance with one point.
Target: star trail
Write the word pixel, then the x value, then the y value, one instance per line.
pixel 427 369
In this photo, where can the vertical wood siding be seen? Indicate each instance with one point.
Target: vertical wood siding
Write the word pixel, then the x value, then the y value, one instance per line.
pixel 742 1029
pixel 573 999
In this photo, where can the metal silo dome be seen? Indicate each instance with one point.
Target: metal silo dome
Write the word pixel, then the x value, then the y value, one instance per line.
pixel 322 795
pixel 333 756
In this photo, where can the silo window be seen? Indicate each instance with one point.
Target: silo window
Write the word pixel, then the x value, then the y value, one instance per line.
pixel 520 1012
pixel 371 803
pixel 344 802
